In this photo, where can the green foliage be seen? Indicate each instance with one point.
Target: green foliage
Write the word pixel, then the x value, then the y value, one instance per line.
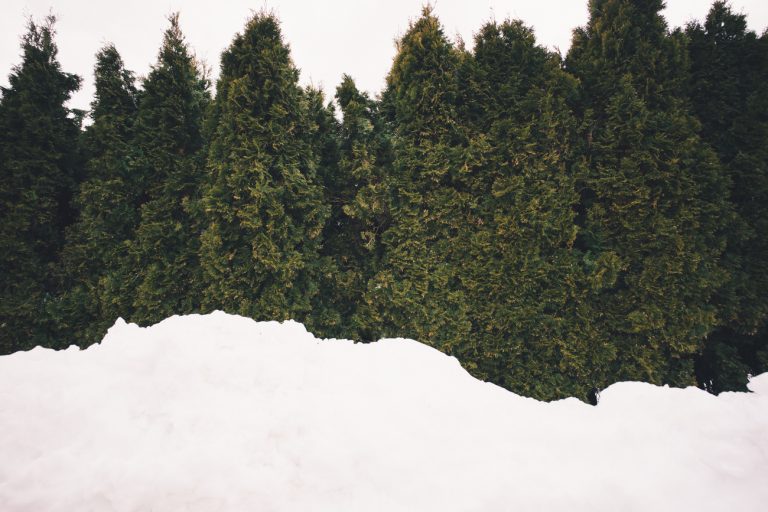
pixel 521 273
pixel 416 291
pixel 728 88
pixel 327 304
pixel 264 207
pixel 38 173
pixel 107 202
pixel 626 38
pixel 653 195
pixel 357 194
pixel 163 255
pixel 556 225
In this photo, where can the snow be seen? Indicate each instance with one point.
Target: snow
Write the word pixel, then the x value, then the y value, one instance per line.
pixel 218 412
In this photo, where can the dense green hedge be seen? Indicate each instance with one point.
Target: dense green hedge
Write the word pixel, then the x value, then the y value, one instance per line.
pixel 557 223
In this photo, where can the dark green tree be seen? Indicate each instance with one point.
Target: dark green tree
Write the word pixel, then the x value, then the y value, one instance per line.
pixel 324 140
pixel 521 272
pixel 729 92
pixel 654 199
pixel 39 170
pixel 264 206
pixel 165 270
pixel 357 194
pixel 416 291
pixel 107 206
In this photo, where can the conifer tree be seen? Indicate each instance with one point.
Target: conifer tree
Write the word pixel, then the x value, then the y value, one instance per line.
pixel 107 203
pixel 39 169
pixel 356 192
pixel 522 274
pixel 653 195
pixel 324 139
pixel 729 93
pixel 417 291
pixel 263 206
pixel 165 278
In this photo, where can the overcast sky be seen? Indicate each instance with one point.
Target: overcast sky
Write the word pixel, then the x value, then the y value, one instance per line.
pixel 327 37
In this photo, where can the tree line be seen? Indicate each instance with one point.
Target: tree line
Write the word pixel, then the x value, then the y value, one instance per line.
pixel 556 223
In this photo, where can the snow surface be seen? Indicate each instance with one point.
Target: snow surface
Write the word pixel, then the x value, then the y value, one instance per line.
pixel 218 412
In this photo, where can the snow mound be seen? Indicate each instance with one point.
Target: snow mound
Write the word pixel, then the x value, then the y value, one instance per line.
pixel 218 412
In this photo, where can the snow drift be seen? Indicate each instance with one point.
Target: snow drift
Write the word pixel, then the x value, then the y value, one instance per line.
pixel 218 412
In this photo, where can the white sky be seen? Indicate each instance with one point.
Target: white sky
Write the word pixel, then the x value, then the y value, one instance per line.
pixel 327 37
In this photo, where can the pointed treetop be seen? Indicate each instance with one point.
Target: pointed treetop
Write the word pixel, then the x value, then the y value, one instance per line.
pixel 258 52
pixel 347 92
pixel 39 37
pixel 174 45
pixel 723 24
pixel 175 61
pixel 629 20
pixel 173 34
pixel 508 47
pixel 265 24
pixel 38 48
pixel 422 86
pixel 629 37
pixel 115 90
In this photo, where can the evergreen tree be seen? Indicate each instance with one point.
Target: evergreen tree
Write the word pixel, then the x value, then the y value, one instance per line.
pixel 324 140
pixel 107 205
pixel 357 194
pixel 729 93
pixel 264 206
pixel 522 274
pixel 38 172
pixel 653 195
pixel 164 277
pixel 416 291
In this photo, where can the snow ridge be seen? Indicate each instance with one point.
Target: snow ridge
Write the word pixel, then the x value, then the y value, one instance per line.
pixel 219 412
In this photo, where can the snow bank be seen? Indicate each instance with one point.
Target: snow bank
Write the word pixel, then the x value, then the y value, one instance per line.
pixel 218 412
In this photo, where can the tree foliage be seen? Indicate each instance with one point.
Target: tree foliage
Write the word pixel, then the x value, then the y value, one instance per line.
pixel 357 193
pixel 163 269
pixel 556 224
pixel 729 91
pixel 107 202
pixel 416 290
pixel 653 194
pixel 263 204
pixel 39 166
pixel 523 276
